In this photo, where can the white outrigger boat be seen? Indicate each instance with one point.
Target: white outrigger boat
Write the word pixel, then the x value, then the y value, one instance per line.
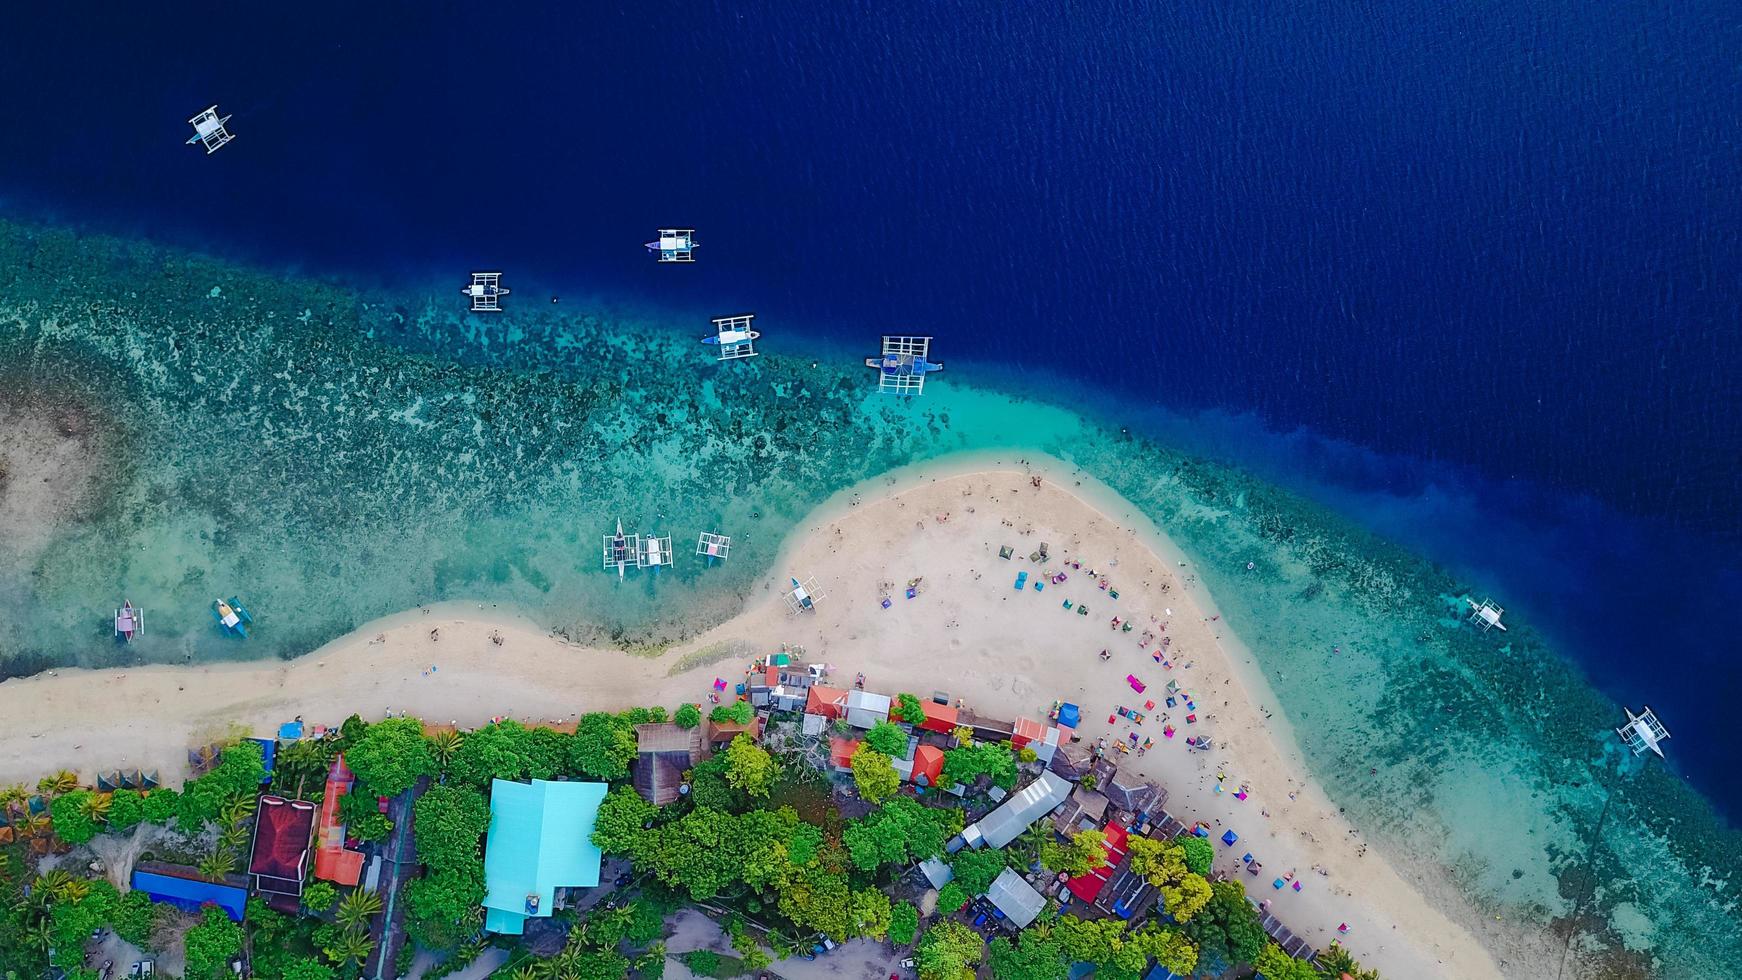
pixel 1643 732
pixel 129 622
pixel 675 245
pixel 732 334
pixel 622 550
pixel 209 130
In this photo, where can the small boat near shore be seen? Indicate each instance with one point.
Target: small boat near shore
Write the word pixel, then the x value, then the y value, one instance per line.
pixel 129 622
pixel 903 365
pixel 231 616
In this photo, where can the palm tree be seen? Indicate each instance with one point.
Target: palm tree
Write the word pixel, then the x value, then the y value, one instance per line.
pixel 52 884
pixel 238 809
pixel 218 864
pixel 357 908
pixel 653 955
pixel 96 806
pixel 443 745
pixel 525 971
pixel 233 838
pixel 351 947
pixel 61 782
pixel 13 798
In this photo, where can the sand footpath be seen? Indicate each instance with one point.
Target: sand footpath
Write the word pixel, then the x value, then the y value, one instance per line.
pixel 968 633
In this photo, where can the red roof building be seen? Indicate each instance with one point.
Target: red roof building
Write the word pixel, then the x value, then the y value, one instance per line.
pixel 841 752
pixel 830 702
pixel 1086 887
pixel 332 861
pixel 940 718
pixel 928 762
pixel 282 832
pixel 1024 731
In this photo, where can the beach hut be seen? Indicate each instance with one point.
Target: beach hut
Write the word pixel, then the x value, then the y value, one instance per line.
pixel 1486 615
pixel 486 292
pixel 903 365
pixel 675 245
pixel 209 130
pixel 1643 732
pixel 664 753
pixel 733 338
pixel 283 833
pixel 865 709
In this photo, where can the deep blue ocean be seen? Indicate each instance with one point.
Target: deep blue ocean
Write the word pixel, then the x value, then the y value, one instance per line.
pixel 1470 273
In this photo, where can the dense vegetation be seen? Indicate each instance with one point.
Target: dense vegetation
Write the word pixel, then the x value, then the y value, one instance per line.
pixel 735 840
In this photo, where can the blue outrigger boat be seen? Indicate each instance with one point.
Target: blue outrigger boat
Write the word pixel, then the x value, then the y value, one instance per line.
pixel 232 616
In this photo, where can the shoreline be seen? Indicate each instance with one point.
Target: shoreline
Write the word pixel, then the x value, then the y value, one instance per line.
pixel 533 675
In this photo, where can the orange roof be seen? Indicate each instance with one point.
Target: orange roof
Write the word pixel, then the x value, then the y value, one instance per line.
pixel 830 702
pixel 771 676
pixel 928 761
pixel 939 718
pixel 841 751
pixel 1023 731
pixel 332 861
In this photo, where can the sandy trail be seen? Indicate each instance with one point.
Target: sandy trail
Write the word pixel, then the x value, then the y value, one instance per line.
pixel 969 633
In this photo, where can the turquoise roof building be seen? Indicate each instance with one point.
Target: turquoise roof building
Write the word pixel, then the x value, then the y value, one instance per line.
pixel 541 839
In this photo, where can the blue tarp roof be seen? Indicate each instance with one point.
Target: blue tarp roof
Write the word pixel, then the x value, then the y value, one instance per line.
pixel 189 895
pixel 1068 715
pixel 290 731
pixel 541 839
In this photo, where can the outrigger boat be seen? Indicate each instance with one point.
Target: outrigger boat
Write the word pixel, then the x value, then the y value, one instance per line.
pixel 232 616
pixel 675 245
pixel 129 622
pixel 617 551
pixel 902 368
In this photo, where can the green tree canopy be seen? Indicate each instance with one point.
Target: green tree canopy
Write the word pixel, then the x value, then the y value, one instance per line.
pixel 688 716
pixel 1200 855
pixel 126 809
pixel 749 767
pixel 618 827
pixel 443 905
pixel 874 774
pixel 908 708
pixel 1227 929
pixel 947 950
pixel 975 870
pixel 903 923
pixel 237 774
pixel 508 750
pixel 603 746
pixel 363 818
pixel 307 968
pixel 211 945
pixel 900 831
pixel 952 897
pixel 1083 853
pixel 737 713
pixel 391 756
pixel 1034 955
pixel 448 822
pixel 73 822
pixel 967 763
pixel 888 739
pixel 161 805
pixel 871 913
pixel 319 896
pixel 1274 964
pixel 1163 863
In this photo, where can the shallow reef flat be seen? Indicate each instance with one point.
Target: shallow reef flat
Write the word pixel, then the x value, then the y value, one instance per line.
pixel 332 457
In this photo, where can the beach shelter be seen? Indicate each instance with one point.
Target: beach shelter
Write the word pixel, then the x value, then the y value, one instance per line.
pixel 108 782
pixel 1229 838
pixel 149 779
pixel 1068 715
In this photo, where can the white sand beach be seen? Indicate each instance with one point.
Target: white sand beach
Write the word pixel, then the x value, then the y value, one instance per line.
pixel 968 633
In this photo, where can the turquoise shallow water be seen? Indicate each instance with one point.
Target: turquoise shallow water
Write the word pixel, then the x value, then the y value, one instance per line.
pixel 333 457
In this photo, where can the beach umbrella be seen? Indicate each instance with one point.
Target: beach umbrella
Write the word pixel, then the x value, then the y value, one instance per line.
pixel 148 779
pixel 1229 838
pixel 108 782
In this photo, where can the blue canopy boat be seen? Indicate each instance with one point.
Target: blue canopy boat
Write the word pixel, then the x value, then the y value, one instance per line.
pixel 232 616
